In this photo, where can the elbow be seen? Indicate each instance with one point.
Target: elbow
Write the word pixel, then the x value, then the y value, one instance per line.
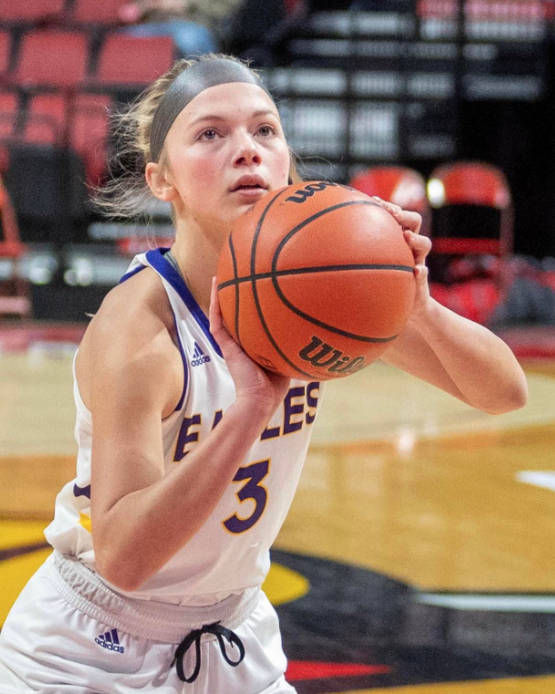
pixel 517 395
pixel 123 581
pixel 521 398
pixel 120 577
pixel 511 399
pixel 119 569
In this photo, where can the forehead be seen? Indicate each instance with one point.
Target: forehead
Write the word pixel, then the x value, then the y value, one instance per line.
pixel 234 99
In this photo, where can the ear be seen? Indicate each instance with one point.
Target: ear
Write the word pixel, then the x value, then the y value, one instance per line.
pixel 159 182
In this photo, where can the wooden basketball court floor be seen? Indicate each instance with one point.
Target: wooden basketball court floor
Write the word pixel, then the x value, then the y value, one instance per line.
pixel 418 556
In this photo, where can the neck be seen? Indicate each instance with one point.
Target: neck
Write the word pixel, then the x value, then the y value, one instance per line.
pixel 197 252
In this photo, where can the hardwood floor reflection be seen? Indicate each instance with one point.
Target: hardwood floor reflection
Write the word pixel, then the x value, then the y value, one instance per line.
pixel 401 482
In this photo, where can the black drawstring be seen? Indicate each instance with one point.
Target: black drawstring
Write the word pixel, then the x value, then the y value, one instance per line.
pixel 194 637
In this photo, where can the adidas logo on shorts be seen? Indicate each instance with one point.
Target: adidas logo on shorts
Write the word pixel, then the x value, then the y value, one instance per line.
pixel 199 357
pixel 110 641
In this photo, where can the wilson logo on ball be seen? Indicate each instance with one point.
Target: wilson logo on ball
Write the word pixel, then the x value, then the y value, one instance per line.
pixel 308 191
pixel 316 281
pixel 321 355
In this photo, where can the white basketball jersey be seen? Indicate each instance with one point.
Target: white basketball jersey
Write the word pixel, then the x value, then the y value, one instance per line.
pixel 231 551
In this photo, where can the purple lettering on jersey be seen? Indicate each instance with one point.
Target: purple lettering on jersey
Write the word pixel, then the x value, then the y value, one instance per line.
pixel 253 474
pixel 272 433
pixel 217 418
pixel 290 409
pixel 185 437
pixel 312 400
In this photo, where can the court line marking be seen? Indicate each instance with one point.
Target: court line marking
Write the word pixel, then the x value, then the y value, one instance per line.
pixel 538 478
pixel 490 603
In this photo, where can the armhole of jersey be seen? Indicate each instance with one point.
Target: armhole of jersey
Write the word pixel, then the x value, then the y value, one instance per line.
pixel 185 365
pixel 151 256
pixel 131 273
pixel 79 404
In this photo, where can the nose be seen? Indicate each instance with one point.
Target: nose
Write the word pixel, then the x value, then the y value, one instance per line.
pixel 247 152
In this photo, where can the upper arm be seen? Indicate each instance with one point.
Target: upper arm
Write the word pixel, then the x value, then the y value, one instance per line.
pixel 137 379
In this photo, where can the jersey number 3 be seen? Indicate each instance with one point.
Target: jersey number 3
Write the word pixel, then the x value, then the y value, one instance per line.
pixel 252 489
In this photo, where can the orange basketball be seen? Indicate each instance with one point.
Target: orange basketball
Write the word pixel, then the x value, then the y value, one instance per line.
pixel 316 281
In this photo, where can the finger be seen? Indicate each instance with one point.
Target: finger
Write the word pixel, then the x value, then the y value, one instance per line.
pixel 421 274
pixel 391 207
pixel 408 219
pixel 386 204
pixel 417 241
pixel 419 245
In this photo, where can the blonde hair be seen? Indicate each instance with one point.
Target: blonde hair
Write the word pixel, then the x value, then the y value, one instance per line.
pixel 127 194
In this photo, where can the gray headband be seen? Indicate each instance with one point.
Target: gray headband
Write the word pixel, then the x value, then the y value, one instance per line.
pixel 190 83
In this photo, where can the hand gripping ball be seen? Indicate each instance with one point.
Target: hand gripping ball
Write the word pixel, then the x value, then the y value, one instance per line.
pixel 316 281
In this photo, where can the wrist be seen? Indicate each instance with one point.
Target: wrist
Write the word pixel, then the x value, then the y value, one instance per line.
pixel 255 408
pixel 252 417
pixel 427 316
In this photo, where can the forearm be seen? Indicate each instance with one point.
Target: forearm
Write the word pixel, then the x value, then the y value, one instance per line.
pixel 155 522
pixel 463 358
pixel 453 353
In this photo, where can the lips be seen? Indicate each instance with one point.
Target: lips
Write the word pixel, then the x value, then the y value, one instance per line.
pixel 246 183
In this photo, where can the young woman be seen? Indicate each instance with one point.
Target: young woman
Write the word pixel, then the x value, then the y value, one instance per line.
pixel 176 427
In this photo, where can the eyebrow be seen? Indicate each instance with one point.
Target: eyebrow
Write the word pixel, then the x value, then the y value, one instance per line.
pixel 215 117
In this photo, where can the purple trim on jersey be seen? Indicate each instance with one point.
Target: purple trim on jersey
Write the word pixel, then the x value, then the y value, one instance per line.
pixel 168 272
pixel 185 367
pixel 163 268
pixel 131 273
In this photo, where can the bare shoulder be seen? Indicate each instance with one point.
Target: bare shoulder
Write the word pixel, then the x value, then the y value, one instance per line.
pixel 132 338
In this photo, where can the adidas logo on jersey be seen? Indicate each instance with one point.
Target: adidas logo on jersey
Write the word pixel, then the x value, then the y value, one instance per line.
pixel 110 641
pixel 199 357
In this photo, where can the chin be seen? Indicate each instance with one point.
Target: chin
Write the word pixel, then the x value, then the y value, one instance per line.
pixel 231 215
pixel 240 211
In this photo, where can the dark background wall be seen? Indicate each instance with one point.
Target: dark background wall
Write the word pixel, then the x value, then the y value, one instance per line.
pixel 520 138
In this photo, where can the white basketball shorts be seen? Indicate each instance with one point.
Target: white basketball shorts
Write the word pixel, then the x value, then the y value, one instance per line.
pixel 68 633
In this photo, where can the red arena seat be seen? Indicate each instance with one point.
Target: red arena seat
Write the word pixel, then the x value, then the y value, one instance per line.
pixel 90 133
pixel 95 12
pixel 52 58
pixel 132 61
pixel 30 11
pixel 5 51
pixel 45 121
pixel 9 108
pixel 398 184
pixel 14 291
pixel 476 185
pixel 479 184
pixel 80 121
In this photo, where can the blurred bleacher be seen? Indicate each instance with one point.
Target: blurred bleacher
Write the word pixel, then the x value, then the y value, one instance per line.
pixel 358 84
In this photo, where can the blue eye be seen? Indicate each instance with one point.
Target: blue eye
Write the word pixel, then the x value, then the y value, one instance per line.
pixel 266 130
pixel 209 134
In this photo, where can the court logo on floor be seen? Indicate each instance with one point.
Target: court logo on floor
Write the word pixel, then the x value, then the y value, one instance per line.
pixel 354 630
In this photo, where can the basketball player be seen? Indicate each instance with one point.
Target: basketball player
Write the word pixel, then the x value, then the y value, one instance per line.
pixel 184 474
